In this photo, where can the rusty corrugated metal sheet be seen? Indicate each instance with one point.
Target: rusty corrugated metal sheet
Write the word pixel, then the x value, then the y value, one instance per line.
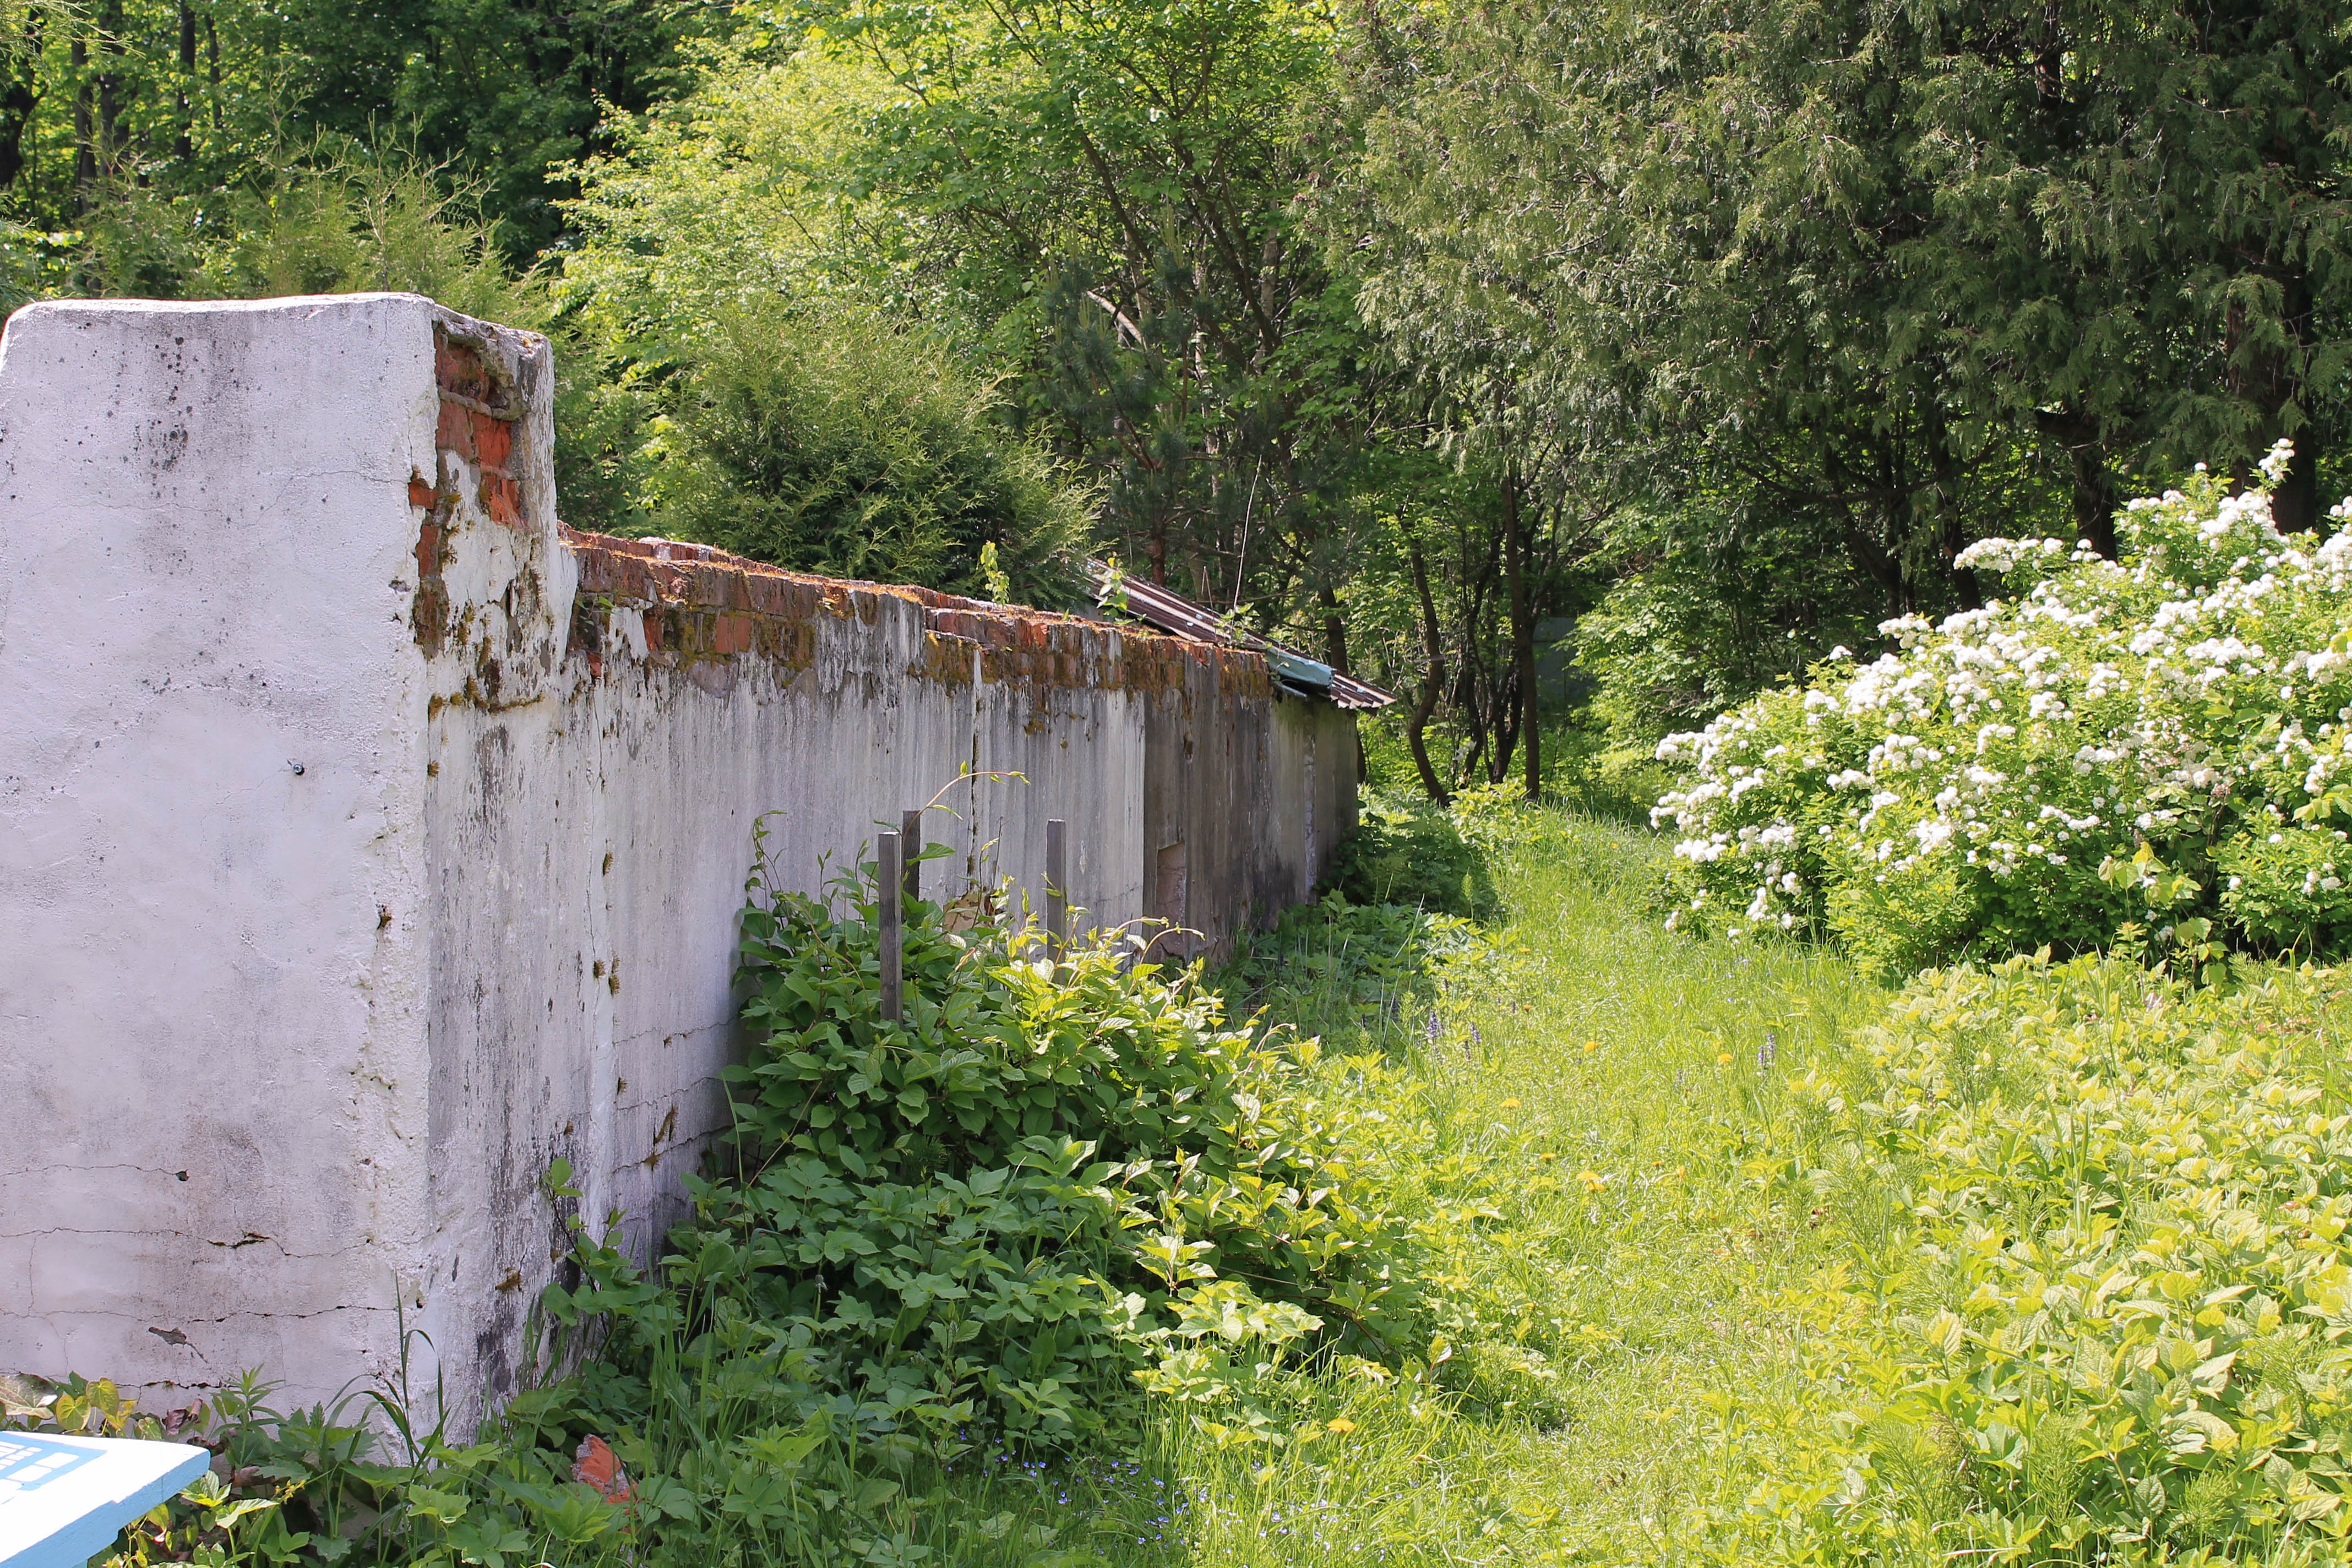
pixel 1153 604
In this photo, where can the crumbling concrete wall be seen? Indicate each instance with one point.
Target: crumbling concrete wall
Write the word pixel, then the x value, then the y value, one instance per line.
pixel 369 840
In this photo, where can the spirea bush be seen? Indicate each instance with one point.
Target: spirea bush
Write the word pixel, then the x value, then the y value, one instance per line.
pixel 2143 752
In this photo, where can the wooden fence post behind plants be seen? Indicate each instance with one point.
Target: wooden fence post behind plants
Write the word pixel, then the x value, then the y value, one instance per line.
pixel 887 888
pixel 1057 885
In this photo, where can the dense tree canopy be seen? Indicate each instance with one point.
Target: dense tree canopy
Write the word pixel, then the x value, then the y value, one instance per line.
pixel 1897 268
pixel 1569 365
pixel 186 103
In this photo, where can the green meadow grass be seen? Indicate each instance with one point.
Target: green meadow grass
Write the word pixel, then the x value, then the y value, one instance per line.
pixel 1574 1136
pixel 1603 1268
pixel 1735 1258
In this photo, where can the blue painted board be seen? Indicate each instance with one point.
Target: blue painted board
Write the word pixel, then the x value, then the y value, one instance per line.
pixel 64 1500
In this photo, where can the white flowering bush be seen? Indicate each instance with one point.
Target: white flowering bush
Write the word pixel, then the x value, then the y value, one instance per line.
pixel 2148 751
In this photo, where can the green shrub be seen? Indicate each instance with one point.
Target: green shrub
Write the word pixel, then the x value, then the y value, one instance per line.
pixel 1407 851
pixel 1713 601
pixel 1008 1205
pixel 2109 1324
pixel 1589 769
pixel 359 1482
pixel 844 445
pixel 2149 749
pixel 1364 976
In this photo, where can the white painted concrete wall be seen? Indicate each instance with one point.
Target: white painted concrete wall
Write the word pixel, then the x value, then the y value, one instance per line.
pixel 348 877
pixel 212 1049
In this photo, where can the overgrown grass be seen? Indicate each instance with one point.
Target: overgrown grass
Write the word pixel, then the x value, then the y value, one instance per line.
pixel 1597 1265
pixel 1733 1257
pixel 1702 1252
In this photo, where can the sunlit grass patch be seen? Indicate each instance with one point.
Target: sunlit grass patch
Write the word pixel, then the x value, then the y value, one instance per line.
pixel 1591 1257
pixel 1663 1250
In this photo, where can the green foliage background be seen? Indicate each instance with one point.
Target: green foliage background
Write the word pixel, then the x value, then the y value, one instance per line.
pixel 1580 372
pixel 1300 311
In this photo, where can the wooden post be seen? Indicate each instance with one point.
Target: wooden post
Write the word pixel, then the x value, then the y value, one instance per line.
pixel 886 855
pixel 910 847
pixel 1057 885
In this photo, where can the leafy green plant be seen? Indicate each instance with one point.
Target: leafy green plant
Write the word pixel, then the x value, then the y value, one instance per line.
pixel 1365 977
pixel 2111 1323
pixel 982 1213
pixel 352 1482
pixel 2143 751
pixel 1406 851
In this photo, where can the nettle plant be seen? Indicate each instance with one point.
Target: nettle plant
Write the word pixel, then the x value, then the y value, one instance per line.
pixel 1056 1180
pixel 2146 753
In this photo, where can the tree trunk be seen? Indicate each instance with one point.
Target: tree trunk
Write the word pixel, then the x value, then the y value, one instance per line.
pixel 1335 654
pixel 2095 489
pixel 19 100
pixel 2268 379
pixel 1881 566
pixel 109 86
pixel 1472 749
pixel 187 147
pixel 1477 687
pixel 1335 629
pixel 212 61
pixel 1509 713
pixel 1433 682
pixel 1951 538
pixel 1523 629
pixel 2296 503
pixel 84 150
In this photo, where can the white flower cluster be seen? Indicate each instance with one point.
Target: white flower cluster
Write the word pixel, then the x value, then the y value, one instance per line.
pixel 2002 555
pixel 2160 739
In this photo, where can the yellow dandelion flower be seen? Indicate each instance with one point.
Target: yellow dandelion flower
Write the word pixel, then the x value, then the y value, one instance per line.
pixel 1341 1424
pixel 1593 1181
pixel 1547 1156
pixel 1510 1105
pixel 1723 1058
pixel 1591 1046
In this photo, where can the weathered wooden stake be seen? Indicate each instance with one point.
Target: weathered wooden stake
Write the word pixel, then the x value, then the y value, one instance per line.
pixel 1057 884
pixel 886 855
pixel 910 835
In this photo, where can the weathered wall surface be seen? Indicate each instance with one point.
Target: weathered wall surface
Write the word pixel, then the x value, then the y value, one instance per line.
pixel 368 840
pixel 213 1044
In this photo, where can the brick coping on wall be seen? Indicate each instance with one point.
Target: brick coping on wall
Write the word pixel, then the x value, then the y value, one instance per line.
pixel 700 601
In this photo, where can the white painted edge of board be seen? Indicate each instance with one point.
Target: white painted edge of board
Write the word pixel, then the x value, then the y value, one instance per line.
pixel 93 1503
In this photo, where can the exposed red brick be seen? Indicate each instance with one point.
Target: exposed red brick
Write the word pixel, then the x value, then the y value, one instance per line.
pixel 706 585
pixel 459 368
pixel 493 438
pixel 420 493
pixel 454 365
pixel 428 549
pixel 502 498
pixel 769 595
pixel 456 430
pixel 704 602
